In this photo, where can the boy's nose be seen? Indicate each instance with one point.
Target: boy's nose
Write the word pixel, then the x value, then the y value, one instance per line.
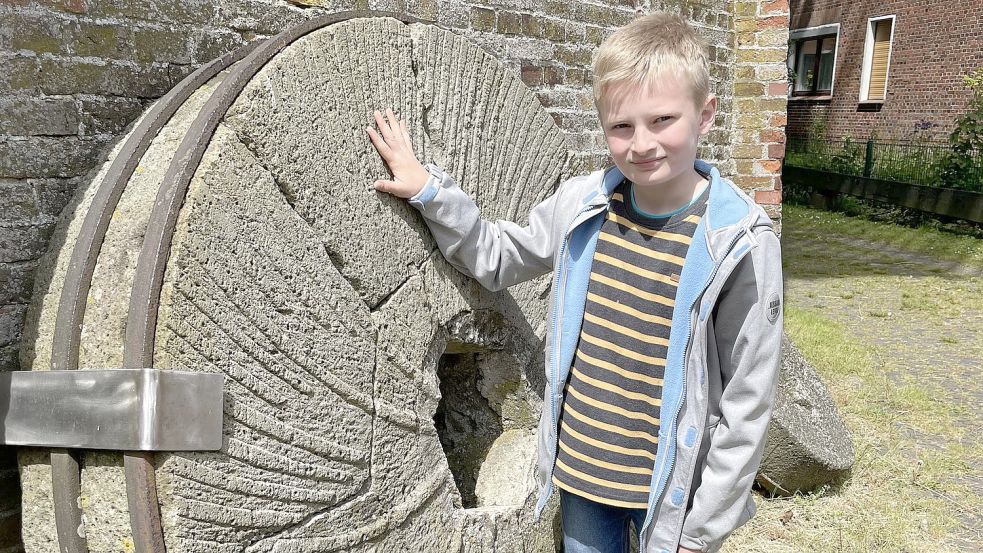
pixel 643 143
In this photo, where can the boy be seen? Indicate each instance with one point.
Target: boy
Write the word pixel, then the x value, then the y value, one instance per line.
pixel 666 313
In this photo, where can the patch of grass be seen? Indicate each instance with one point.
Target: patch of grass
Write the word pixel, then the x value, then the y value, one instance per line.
pixel 926 241
pixel 901 496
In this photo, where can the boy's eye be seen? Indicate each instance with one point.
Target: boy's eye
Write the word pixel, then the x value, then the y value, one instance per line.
pixel 620 126
pixel 663 118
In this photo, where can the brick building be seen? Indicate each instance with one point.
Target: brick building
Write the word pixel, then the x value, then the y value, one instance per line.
pixel 74 74
pixel 890 68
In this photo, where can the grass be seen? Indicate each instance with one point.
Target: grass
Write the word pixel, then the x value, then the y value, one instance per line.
pixel 891 341
pixel 924 241
pixel 900 497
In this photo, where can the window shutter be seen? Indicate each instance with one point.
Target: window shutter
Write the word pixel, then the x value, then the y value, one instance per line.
pixel 878 63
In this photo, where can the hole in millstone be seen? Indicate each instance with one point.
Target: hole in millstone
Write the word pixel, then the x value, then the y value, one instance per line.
pixel 466 423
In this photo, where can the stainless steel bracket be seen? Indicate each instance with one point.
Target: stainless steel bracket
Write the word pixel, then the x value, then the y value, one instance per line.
pixel 120 409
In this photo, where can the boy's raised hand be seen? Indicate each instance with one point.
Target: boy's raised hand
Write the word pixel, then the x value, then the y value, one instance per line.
pixel 393 144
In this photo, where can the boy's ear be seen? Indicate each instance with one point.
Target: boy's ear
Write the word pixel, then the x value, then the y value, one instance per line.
pixel 708 114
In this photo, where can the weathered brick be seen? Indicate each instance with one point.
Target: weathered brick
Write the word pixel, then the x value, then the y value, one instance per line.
pixel 768 197
pixel 510 23
pixel 773 37
pixel 27 116
pixel 212 43
pixel 108 114
pixel 66 156
pixel 532 75
pixel 767 166
pixel 165 45
pixel 761 55
pixel 18 202
pixel 54 194
pixel 772 135
pixel 760 104
pixel 778 89
pixel 745 8
pixel 748 151
pixel 573 55
pixel 576 76
pixel 553 75
pixel 554 30
pixel 482 19
pixel 776 151
pixel 16 283
pixel 69 6
pixel 74 76
pixel 749 89
pixel 780 22
pixel 102 41
pixel 769 6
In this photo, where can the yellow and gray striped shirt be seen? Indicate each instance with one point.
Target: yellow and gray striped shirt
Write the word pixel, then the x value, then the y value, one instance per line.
pixel 609 426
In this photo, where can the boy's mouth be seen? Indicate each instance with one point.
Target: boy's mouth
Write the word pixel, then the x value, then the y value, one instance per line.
pixel 648 162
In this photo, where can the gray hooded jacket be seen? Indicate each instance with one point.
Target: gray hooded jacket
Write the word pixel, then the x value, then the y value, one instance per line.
pixel 724 344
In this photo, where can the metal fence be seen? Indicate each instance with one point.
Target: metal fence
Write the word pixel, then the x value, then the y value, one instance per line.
pixel 926 163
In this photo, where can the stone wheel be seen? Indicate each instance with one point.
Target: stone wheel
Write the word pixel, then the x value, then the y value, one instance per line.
pixel 375 399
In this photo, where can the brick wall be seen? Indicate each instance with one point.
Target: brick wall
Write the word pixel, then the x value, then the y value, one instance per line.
pixel 935 41
pixel 75 73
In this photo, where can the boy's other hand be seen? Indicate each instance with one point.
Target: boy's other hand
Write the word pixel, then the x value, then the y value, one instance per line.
pixel 393 144
pixel 684 550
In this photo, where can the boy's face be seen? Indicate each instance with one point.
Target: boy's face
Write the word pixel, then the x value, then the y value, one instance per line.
pixel 653 132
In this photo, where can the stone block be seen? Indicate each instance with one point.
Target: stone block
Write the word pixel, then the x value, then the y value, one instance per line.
pixel 23 242
pixel 107 41
pixel 16 282
pixel 102 77
pixel 18 74
pixel 18 202
pixel 108 114
pixel 26 116
pixel 53 195
pixel 209 44
pixel 65 156
pixel 11 323
pixel 807 446
pixel 170 45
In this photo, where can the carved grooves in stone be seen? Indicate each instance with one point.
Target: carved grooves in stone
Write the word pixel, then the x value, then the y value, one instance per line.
pixel 145 297
pixel 65 468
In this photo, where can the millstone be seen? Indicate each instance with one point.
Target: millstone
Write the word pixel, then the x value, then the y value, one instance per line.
pixel 345 339
pixel 808 445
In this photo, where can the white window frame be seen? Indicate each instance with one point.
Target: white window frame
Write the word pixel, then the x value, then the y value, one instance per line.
pixel 869 57
pixel 808 32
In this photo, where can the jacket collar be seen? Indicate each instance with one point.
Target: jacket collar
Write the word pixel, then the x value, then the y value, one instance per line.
pixel 729 209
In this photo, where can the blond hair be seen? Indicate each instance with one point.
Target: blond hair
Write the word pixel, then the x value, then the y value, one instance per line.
pixel 658 45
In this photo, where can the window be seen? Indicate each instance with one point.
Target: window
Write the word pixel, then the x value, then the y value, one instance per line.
pixel 812 60
pixel 877 59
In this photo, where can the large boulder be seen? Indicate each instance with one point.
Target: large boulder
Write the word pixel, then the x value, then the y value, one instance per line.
pixel 808 446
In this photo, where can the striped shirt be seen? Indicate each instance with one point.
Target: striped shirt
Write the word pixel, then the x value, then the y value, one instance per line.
pixel 609 425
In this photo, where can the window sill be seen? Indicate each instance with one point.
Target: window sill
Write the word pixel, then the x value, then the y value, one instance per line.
pixel 823 98
pixel 862 102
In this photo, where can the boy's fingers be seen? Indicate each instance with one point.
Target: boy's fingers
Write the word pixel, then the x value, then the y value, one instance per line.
pixel 384 185
pixel 387 132
pixel 393 124
pixel 379 143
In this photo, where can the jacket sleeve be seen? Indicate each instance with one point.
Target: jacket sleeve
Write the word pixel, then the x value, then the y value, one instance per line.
pixel 497 254
pixel 747 328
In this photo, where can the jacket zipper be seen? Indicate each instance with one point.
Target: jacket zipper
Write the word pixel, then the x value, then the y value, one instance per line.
pixel 664 476
pixel 558 296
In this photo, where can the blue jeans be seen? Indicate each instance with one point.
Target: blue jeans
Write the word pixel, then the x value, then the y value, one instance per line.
pixel 591 527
